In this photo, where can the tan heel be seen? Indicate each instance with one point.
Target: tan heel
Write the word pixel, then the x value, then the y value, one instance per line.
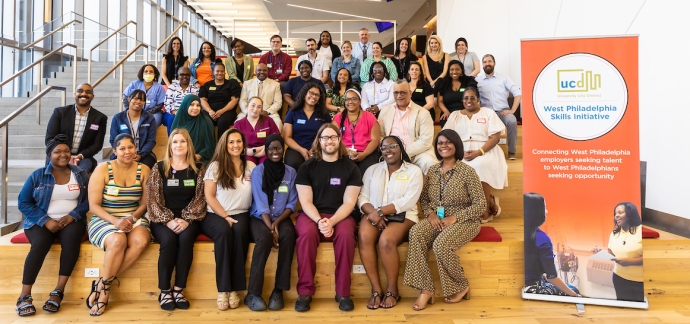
pixel 430 301
pixel 467 295
pixel 234 300
pixel 222 301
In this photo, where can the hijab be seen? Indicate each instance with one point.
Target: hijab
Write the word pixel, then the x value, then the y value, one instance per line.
pixel 200 128
pixel 273 171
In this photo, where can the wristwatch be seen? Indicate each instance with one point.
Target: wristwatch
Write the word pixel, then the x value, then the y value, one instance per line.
pixel 378 210
pixel 254 150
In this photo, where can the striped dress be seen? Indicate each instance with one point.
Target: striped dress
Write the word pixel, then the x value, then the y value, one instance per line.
pixel 119 202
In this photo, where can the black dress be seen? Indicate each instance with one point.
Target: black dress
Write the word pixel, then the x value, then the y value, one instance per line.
pixel 171 66
pixel 419 97
pixel 435 70
pixel 452 99
pixel 402 66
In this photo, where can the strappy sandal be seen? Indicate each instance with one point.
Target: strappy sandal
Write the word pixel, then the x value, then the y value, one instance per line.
pixel 496 212
pixel 222 301
pixel 54 293
pixel 234 300
pixel 107 284
pixel 20 309
pixel 430 301
pixel 390 294
pixel 167 303
pixel 180 301
pixel 94 292
pixel 374 295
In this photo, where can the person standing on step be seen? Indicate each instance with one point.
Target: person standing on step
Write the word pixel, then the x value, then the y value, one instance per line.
pixel 173 60
pixel 84 126
pixel 327 185
pixel 54 203
pixel 138 123
pixel 279 63
pixel 362 50
pixel 240 67
pixel 274 200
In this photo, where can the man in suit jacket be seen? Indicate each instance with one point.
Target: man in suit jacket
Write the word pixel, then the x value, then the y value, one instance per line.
pixel 83 125
pixel 270 94
pixel 412 124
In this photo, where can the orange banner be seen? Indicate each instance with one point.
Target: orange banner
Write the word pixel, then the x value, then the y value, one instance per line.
pixel 582 166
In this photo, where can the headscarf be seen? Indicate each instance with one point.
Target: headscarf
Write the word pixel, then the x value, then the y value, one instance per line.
pixel 273 171
pixel 200 128
pixel 55 141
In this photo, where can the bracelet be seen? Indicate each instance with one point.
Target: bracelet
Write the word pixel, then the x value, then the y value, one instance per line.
pixel 481 149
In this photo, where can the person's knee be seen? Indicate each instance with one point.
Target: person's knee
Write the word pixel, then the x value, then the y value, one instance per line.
pixel 139 242
pixel 439 247
pixel 262 238
pixel 116 242
pixel 287 235
pixel 387 243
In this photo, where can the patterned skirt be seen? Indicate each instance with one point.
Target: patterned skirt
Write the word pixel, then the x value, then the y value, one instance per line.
pixel 99 229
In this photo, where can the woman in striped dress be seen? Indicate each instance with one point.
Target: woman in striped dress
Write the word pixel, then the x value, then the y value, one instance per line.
pixel 118 201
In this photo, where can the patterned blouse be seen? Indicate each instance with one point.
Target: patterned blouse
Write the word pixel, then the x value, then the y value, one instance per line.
pixel 155 203
pixel 462 196
pixel 338 100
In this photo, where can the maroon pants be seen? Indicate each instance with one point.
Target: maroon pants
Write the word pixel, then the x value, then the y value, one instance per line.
pixel 308 239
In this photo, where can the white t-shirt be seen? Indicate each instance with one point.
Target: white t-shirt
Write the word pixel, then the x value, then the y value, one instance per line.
pixel 318 65
pixel 64 198
pixel 234 201
pixel 326 53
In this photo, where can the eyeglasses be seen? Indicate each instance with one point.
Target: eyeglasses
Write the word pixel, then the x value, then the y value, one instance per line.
pixel 329 138
pixel 352 99
pixel 275 149
pixel 377 69
pixel 446 143
pixel 185 75
pixel 84 91
pixel 389 147
pixel 314 94
pixel 399 93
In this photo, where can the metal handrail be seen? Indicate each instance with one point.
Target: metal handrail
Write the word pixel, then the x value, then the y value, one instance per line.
pixel 53 32
pixel 40 61
pixel 120 63
pixel 88 69
pixel 158 49
pixel 4 124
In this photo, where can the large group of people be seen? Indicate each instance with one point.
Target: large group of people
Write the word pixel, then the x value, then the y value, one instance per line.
pixel 350 166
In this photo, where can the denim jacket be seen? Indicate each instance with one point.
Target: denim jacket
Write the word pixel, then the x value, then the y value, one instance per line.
pixel 34 198
pixel 195 65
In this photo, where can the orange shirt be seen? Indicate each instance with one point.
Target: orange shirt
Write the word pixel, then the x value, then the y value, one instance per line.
pixel 204 73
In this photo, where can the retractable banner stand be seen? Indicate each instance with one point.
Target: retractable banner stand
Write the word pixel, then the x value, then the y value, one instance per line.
pixel 583 232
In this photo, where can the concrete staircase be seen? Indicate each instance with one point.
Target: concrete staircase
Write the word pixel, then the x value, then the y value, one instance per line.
pixel 26 138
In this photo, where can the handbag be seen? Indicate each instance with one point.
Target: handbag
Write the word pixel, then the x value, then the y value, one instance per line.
pixel 396 218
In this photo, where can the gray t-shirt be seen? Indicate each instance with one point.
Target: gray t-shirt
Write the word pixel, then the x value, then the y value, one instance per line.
pixel 467 61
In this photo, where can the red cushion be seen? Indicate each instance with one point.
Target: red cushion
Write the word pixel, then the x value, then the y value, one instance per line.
pixel 489 234
pixel 649 233
pixel 203 238
pixel 21 238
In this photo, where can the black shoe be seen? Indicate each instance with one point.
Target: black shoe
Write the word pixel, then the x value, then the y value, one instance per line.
pixel 302 304
pixel 346 303
pixel 276 302
pixel 254 302
pixel 167 303
pixel 180 301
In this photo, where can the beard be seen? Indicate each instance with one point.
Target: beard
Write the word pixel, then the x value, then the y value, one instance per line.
pixel 488 69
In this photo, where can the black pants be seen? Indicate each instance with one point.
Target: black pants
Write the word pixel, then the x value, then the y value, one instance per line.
pixel 627 289
pixel 230 248
pixel 41 240
pixel 368 161
pixel 262 249
pixel 293 158
pixel 176 253
pixel 225 121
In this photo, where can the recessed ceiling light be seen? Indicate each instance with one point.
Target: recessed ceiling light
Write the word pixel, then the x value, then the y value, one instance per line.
pixel 333 12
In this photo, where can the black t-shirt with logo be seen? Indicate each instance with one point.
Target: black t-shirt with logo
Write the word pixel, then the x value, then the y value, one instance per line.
pixel 328 181
pixel 218 96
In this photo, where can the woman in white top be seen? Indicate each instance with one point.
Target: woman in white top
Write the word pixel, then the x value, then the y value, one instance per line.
pixel 480 130
pixel 388 201
pixel 469 60
pixel 625 244
pixel 378 92
pixel 228 193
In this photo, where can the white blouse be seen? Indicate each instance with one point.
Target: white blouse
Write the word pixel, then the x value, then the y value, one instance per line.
pixel 234 201
pixel 380 94
pixel 402 188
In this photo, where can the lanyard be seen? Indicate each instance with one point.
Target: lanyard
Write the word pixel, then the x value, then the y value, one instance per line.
pixel 278 60
pixel 135 132
pixel 352 127
pixel 443 186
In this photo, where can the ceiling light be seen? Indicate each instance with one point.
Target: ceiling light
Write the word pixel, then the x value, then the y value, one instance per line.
pixel 333 12
pixel 241 29
pixel 238 22
pixel 218 11
pixel 227 4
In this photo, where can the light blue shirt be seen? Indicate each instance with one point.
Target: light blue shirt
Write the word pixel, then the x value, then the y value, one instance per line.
pixel 358 51
pixel 493 91
pixel 154 96
pixel 285 197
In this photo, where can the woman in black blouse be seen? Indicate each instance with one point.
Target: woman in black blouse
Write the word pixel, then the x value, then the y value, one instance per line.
pixel 453 89
pixel 422 93
pixel 403 56
pixel 219 98
pixel 173 59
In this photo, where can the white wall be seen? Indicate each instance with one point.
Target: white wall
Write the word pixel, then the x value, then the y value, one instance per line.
pixel 496 27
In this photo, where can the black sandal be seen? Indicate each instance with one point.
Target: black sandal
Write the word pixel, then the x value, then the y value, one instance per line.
pixel 107 284
pixel 167 303
pixel 374 295
pixel 20 309
pixel 180 301
pixel 54 293
pixel 390 294
pixel 94 291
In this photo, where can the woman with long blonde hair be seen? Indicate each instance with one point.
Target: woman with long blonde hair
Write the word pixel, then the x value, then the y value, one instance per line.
pixel 435 63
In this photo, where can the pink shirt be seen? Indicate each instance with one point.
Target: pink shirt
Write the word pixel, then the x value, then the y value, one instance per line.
pixel 361 131
pixel 400 124
pixel 256 136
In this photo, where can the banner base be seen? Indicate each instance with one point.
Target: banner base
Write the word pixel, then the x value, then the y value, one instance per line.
pixel 585 300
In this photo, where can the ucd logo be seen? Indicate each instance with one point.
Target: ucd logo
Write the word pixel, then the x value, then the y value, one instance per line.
pixel 578 81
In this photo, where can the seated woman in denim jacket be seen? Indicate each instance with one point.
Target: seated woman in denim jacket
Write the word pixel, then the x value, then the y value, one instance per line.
pixel 54 203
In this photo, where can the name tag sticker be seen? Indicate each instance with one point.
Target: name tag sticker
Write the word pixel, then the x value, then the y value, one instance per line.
pixel 173 182
pixel 283 188
pixel 112 191
pixel 418 90
pixel 384 90
pixel 402 177
pixel 188 183
pixel 123 127
pixel 212 88
pixel 94 127
pixel 144 125
pixel 481 120
pixel 301 121
pixel 279 71
pixel 73 187
pixel 269 65
pixel 261 135
pixel 335 181
pixel 148 102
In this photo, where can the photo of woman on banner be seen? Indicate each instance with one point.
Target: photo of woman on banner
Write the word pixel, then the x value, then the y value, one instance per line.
pixel 541 276
pixel 625 245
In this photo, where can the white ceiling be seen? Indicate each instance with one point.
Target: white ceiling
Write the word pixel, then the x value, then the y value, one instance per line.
pixel 254 20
